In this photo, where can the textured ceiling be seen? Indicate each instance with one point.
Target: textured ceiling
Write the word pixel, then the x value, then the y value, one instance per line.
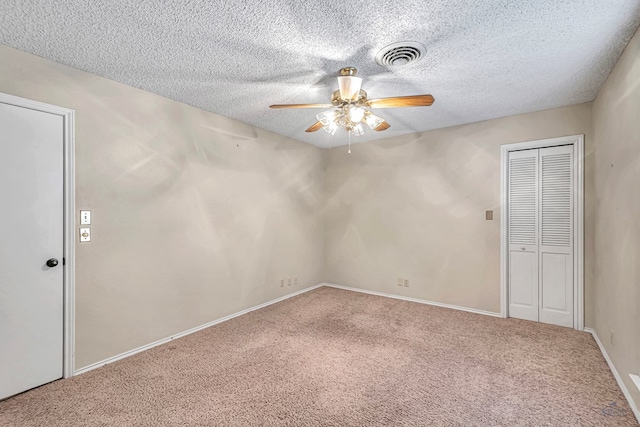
pixel 485 58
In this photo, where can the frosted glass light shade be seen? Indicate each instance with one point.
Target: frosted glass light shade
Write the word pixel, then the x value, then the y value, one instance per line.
pixel 349 87
pixel 331 128
pixel 357 130
pixel 326 117
pixel 372 120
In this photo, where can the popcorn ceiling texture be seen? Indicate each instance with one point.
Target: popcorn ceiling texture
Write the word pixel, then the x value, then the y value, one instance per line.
pixel 485 59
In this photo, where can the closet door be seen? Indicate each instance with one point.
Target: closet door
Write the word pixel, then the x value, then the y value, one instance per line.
pixel 523 234
pixel 556 235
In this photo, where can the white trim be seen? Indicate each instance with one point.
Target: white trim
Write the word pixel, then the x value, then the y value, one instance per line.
pixel 578 287
pixel 617 376
pixel 189 331
pixel 420 301
pixel 68 267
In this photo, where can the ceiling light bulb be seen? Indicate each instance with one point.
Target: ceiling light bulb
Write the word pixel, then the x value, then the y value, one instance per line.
pixel 356 114
pixel 349 87
pixel 372 120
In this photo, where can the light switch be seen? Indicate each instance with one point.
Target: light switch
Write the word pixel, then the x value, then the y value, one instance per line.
pixel 85 234
pixel 85 217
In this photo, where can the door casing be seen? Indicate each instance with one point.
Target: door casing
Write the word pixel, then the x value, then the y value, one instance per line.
pixel 578 254
pixel 68 266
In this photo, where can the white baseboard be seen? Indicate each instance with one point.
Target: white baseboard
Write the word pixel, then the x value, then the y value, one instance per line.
pixel 420 301
pixel 190 331
pixel 617 376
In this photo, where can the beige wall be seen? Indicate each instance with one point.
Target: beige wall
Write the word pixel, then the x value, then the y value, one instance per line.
pixel 616 124
pixel 195 216
pixel 415 206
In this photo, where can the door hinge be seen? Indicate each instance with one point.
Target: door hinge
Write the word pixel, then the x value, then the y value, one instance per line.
pixel 64 261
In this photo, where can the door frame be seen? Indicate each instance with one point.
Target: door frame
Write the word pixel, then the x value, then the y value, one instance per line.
pixel 68 264
pixel 578 253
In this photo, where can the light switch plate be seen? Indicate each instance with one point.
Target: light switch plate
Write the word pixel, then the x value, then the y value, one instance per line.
pixel 85 217
pixel 85 234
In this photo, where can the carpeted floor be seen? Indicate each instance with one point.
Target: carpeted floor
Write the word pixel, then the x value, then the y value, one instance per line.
pixel 339 358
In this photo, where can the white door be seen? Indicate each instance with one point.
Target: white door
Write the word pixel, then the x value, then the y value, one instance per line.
pixel 540 215
pixel 31 234
pixel 556 235
pixel 523 234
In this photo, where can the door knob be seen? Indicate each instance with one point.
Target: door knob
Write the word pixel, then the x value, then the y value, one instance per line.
pixel 52 262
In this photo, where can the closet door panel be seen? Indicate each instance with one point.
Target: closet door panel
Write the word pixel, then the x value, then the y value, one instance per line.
pixel 523 234
pixel 523 277
pixel 556 235
pixel 555 296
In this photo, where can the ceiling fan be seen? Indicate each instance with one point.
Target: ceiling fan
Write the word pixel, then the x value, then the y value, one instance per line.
pixel 351 108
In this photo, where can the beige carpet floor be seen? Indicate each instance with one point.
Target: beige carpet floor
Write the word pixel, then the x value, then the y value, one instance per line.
pixel 339 358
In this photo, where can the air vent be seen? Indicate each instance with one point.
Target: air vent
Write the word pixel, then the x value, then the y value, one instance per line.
pixel 400 54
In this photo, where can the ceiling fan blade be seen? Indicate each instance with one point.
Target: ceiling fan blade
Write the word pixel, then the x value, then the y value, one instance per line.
pixel 301 106
pixel 314 127
pixel 402 101
pixel 382 126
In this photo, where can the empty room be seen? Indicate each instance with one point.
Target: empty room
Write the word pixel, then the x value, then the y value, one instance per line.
pixel 280 213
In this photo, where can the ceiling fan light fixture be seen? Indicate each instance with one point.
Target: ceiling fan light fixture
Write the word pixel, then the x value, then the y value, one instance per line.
pixel 326 117
pixel 349 87
pixel 331 128
pixel 357 130
pixel 372 120
pixel 351 107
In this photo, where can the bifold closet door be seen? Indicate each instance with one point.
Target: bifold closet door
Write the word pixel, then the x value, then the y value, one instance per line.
pixel 523 234
pixel 556 235
pixel 541 234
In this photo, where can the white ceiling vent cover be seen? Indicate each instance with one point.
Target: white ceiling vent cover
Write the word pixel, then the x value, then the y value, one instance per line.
pixel 400 54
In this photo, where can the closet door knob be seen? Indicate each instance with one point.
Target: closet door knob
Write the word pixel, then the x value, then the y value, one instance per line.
pixel 52 262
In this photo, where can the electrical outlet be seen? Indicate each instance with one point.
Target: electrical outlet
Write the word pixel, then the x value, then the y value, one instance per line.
pixel 406 283
pixel 295 281
pixel 400 281
pixel 489 215
pixel 282 283
pixel 289 284
pixel 612 342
